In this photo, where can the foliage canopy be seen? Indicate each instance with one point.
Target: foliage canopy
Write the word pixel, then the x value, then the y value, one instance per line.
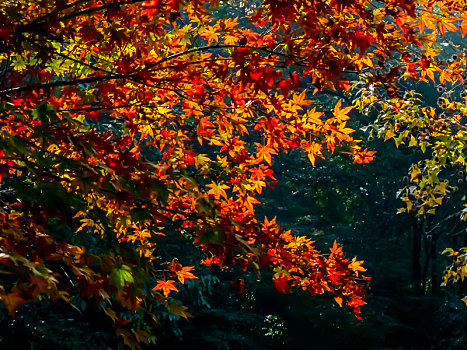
pixel 126 122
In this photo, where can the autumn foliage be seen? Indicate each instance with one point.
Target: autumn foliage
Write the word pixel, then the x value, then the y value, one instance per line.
pixel 194 109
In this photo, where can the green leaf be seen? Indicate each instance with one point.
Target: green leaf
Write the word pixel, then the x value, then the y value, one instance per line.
pixel 161 190
pixel 19 63
pixel 120 276
pixel 140 214
pixel 45 113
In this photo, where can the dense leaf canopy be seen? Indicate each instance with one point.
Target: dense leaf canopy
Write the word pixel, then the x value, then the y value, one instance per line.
pixel 126 122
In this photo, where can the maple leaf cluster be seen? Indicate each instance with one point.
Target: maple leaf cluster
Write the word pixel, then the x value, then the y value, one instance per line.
pixel 196 107
pixel 435 129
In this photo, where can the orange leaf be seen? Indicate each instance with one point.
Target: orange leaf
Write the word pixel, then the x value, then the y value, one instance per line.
pixel 185 274
pixel 314 151
pixel 341 114
pixel 166 287
pixel 12 301
pixel 363 157
pixel 218 190
pixel 280 283
pixel 264 153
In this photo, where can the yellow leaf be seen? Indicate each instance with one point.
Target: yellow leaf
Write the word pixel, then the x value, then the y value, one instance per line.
pixel 389 134
pixel 415 173
pixel 218 190
pixel 299 100
pixel 341 114
pixel 175 308
pixel 314 151
pixel 356 266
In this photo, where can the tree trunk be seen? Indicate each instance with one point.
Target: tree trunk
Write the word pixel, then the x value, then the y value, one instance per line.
pixel 416 252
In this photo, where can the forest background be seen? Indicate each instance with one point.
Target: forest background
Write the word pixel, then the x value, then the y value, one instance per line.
pixel 122 169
